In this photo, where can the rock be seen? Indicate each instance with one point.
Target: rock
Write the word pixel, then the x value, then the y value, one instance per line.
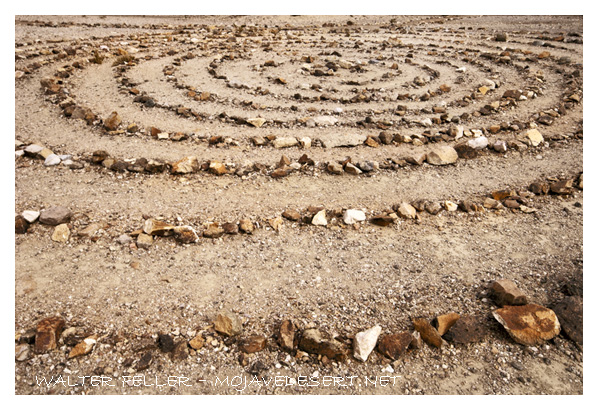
pixel 61 233
pixel 48 333
pixel 478 143
pixel 154 166
pixel 30 215
pixel 197 342
pixel 352 169
pixel 252 344
pixel 258 141
pixel 529 324
pixel 335 168
pixel 21 225
pixel 505 292
pixel 325 120
pixel 445 322
pixel 500 146
pixel 45 153
pixel 256 122
pixel 570 314
pixel 246 226
pixel 99 156
pixel 433 207
pixel 231 228
pixel 22 352
pixel 562 187
pixel 442 156
pixel 467 329
pixel 353 216
pixel 217 168
pixel 535 137
pixel 292 215
pixel 185 165
pixel 112 122
pixel 83 348
pixel 286 335
pixel 144 241
pixel 456 131
pixel 213 231
pixel 90 230
pixel 405 210
pixel 463 150
pixel 501 37
pixel 144 362
pixel 166 343
pixel 227 323
pixel 320 218
pixel 314 342
pixel 33 150
pixel 394 345
pixel 162 136
pixel 334 140
pixel 124 239
pixel 386 137
pixel 370 142
pixel 428 333
pixel 276 223
pixel 52 160
pixel 284 142
pixel 580 181
pixel 157 227
pixel 55 215
pixel 450 206
pixel 305 142
pixel 491 203
pixel 416 159
pixel 365 341
pixel 180 351
pixel 186 234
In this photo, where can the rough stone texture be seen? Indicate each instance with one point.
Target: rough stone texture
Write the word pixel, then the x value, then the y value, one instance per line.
pixel 394 345
pixel 113 121
pixel 144 362
pixel 213 230
pixel 157 227
pixel 227 323
pixel 529 324
pixel 30 215
pixel 246 226
pixel 55 215
pixel 505 292
pixel 197 342
pixel 21 225
pixel 292 215
pixel 185 165
pixel 382 220
pixel 535 137
pixel 252 344
pixel 353 216
pixel 320 218
pixel 284 142
pixel 365 341
pixel 570 314
pixel 314 342
pixel 186 234
pixel 406 210
pixel 256 122
pixel 445 322
pixel 48 333
pixel 144 241
pixel 562 187
pixel 286 335
pixel 180 351
pixel 61 233
pixel 344 140
pixel 467 329
pixel 443 155
pixel 22 352
pixel 83 348
pixel 166 342
pixel 428 333
pixel 217 168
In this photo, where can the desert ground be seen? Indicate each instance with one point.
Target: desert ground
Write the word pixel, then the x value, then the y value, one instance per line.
pixel 220 205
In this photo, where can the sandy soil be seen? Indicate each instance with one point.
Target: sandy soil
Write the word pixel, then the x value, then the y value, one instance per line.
pixel 340 279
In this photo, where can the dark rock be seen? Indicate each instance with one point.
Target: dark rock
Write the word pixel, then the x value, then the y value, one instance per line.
pixel 286 335
pixel 428 333
pixel 569 311
pixel 48 333
pixel 465 151
pixel 505 292
pixel 467 329
pixel 231 228
pixel 394 345
pixel 180 351
pixel 292 215
pixel 166 343
pixel 314 342
pixel 382 220
pixel 253 344
pixel 55 215
pixel 21 225
pixel 99 156
pixel 144 362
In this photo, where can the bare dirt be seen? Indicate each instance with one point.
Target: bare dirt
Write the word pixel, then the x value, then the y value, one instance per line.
pixel 341 279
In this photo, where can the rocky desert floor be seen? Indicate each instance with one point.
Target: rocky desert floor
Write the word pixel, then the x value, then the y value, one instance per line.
pixel 221 205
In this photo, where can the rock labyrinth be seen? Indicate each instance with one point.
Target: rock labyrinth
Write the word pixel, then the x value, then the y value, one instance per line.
pixel 293 128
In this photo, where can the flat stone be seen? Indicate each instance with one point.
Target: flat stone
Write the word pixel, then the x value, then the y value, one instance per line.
pixel 325 120
pixel 505 292
pixel 286 335
pixel 352 169
pixel 445 322
pixel 144 241
pixel 83 348
pixel 529 324
pixel 197 342
pixel 353 216
pixel 227 323
pixel 344 140
pixel 180 351
pixel 394 345
pixel 535 137
pixel 428 333
pixel 314 342
pixel 186 234
pixel 157 227
pixel 213 230
pixel 335 168
pixel 562 187
pixel 246 226
pixel 365 341
pixel 185 165
pixel 284 142
pixel 55 215
pixel 442 156
pixel 48 333
pixel 320 218
pixel 382 220
pixel 22 352
pixel 45 153
pixel 52 160
pixel 61 233
pixel 467 329
pixel 90 230
pixel 253 344
pixel 292 215
pixel 405 210
pixel 217 168
pixel 256 122
pixel 570 314
pixel 416 159
pixel 33 150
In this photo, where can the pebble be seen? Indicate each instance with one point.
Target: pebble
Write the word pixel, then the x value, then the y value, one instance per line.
pixel 365 341
pixel 61 233
pixel 320 218
pixel 353 216
pixel 528 324
pixel 55 215
pixel 442 156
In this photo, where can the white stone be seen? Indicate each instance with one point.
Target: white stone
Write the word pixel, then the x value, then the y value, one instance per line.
pixel 500 146
pixel 479 142
pixel 353 216
pixel 320 218
pixel 282 142
pixel 335 140
pixel 365 341
pixel 305 142
pixel 427 122
pixel 30 215
pixel 163 136
pixel 325 120
pixel 52 160
pixel 535 137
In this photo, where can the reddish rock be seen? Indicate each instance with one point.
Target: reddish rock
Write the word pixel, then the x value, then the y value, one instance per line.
pixel 428 333
pixel 253 344
pixel 21 225
pixel 227 323
pixel 246 226
pixel 286 335
pixel 529 324
pixel 505 292
pixel 231 228
pixel 292 215
pixel 467 329
pixel 113 121
pixel 382 220
pixel 394 345
pixel 186 234
pixel 562 187
pixel 314 342
pixel 213 231
pixel 48 333
pixel 445 322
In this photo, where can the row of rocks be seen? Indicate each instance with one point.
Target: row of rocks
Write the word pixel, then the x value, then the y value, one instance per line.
pixel 526 323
